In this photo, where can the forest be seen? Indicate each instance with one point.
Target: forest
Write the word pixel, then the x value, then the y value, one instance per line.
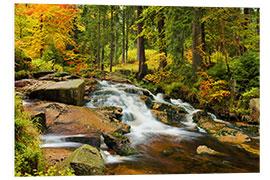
pixel 206 56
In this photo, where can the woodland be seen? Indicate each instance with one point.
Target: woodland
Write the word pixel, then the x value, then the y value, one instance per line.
pixel 207 56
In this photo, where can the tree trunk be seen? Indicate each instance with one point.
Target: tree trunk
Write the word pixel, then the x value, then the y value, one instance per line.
pixel 141 51
pixel 196 41
pixel 123 31
pixel 111 53
pixel 126 38
pixel 98 49
pixel 224 46
pixel 162 42
pixel 103 40
pixel 115 46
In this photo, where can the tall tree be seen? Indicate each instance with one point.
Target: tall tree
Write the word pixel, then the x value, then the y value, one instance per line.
pixel 123 32
pixel 140 45
pixel 99 37
pixel 196 39
pixel 162 40
pixel 112 39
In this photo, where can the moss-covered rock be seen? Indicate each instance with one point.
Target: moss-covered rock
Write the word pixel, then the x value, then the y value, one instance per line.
pixel 69 92
pixel 85 160
pixel 119 143
pixel 168 114
pixel 21 75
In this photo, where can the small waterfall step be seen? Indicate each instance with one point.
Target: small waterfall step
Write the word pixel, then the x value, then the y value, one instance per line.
pixel 70 141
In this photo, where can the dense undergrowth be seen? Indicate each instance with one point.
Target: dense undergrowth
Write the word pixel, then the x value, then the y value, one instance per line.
pixel 29 159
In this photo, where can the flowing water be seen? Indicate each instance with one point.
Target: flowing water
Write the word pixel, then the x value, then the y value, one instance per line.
pixel 164 149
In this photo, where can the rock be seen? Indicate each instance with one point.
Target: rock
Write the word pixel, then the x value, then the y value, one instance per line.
pixel 221 131
pixel 161 116
pixel 201 115
pixel 173 114
pixel 227 134
pixel 39 118
pixel 208 151
pixel 112 112
pixel 55 155
pixel 92 139
pixel 85 160
pixel 254 106
pixel 41 73
pixel 119 143
pixel 147 100
pixel 69 92
pixel 167 153
pixel 69 120
pixel 253 150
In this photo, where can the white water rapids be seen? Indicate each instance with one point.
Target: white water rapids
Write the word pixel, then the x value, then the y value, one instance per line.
pixel 136 114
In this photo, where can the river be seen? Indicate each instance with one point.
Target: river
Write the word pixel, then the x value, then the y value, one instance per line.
pixel 164 149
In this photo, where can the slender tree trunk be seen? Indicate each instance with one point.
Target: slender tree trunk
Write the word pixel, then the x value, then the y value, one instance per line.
pixel 196 41
pixel 115 46
pixel 103 40
pixel 98 48
pixel 126 57
pixel 246 22
pixel 162 42
pixel 111 54
pixel 224 45
pixel 141 52
pixel 123 31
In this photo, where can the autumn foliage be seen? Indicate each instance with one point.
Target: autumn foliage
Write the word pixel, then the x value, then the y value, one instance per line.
pixel 40 28
pixel 211 90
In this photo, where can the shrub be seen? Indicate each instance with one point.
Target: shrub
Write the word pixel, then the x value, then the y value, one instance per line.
pixel 28 155
pixel 246 71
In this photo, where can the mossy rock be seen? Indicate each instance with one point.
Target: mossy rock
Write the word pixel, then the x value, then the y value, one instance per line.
pixel 85 160
pixel 21 75
pixel 173 114
pixel 119 143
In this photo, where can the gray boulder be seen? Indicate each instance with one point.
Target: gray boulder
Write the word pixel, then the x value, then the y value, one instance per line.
pixel 68 92
pixel 85 160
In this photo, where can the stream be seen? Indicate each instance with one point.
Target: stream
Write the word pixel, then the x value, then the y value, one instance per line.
pixel 163 149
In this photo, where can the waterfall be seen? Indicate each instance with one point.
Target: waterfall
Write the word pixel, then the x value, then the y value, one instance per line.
pixel 135 112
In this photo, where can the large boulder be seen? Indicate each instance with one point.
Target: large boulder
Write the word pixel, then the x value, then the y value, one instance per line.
pixel 85 160
pixel 68 119
pixel 69 92
pixel 119 143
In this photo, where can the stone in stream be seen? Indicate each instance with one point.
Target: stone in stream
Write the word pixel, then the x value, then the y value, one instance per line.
pixel 119 143
pixel 204 150
pixel 168 114
pixel 69 92
pixel 85 160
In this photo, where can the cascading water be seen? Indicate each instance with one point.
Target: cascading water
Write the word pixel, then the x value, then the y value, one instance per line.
pixel 135 112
